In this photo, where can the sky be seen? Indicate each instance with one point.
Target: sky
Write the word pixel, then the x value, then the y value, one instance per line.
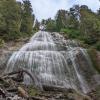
pixel 44 9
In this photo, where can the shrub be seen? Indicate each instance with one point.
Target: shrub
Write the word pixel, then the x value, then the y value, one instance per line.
pixel 89 40
pixel 97 46
pixel 72 33
pixel 11 36
pixel 2 42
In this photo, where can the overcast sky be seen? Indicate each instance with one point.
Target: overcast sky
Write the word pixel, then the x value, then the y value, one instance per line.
pixel 44 9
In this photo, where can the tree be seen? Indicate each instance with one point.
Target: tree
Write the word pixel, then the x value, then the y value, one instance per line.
pixel 37 25
pixel 61 19
pixel 2 20
pixel 16 18
pixel 74 17
pixel 50 25
pixel 27 17
pixel 90 25
pixel 9 19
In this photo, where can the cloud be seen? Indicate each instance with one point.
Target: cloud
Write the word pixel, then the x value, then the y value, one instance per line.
pixel 48 8
pixel 44 9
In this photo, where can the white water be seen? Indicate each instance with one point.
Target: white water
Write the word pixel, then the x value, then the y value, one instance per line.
pixel 55 62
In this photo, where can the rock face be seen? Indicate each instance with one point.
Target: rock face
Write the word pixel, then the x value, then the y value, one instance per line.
pixel 98 59
pixel 55 62
pixel 7 51
pixel 4 57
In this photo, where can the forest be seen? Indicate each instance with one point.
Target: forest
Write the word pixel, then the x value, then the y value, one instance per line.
pixel 17 19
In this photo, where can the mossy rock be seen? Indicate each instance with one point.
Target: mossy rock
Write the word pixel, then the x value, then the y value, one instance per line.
pixel 2 43
pixel 94 58
pixel 97 46
pixel 76 95
pixel 32 91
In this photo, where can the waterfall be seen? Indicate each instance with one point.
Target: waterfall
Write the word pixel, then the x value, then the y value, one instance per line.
pixel 55 62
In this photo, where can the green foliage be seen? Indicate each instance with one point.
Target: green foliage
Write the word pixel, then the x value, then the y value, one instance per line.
pixel 27 17
pixel 71 33
pixel 2 43
pixel 9 20
pixel 90 24
pixel 80 23
pixel 32 91
pixel 61 19
pixel 93 55
pixel 88 40
pixel 37 24
pixel 15 18
pixel 97 46
pixel 50 25
pixel 74 14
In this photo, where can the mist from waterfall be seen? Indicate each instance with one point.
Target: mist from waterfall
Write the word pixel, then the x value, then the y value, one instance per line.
pixel 55 62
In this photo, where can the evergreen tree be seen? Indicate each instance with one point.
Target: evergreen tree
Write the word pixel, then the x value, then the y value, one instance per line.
pixel 90 24
pixel 10 18
pixel 27 17
pixel 61 19
pixel 2 20
pixel 50 25
pixel 37 25
pixel 74 17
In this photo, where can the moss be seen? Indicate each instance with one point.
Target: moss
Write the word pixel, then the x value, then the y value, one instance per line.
pixel 76 95
pixel 2 43
pixel 32 91
pixel 97 46
pixel 71 33
pixel 93 55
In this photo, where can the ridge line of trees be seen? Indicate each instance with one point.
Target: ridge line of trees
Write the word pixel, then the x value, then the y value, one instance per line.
pixel 79 23
pixel 16 19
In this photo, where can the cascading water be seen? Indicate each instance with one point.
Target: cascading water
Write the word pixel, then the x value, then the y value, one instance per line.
pixel 55 62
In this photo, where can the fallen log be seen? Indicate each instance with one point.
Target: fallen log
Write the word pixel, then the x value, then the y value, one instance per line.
pixel 13 90
pixel 57 88
pixel 20 74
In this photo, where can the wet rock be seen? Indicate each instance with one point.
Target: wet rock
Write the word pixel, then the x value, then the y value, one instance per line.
pixel 4 57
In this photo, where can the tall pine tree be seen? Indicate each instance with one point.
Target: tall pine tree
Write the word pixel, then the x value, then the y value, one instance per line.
pixel 90 24
pixel 27 17
pixel 9 18
pixel 61 19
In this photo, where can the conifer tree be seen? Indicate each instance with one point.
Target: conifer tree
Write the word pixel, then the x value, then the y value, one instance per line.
pixel 27 17
pixel 10 18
